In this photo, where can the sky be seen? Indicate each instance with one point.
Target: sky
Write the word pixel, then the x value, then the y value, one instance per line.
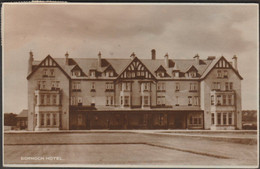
pixel 117 30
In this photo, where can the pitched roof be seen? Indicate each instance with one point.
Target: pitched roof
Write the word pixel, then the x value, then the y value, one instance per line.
pixel 23 113
pixel 204 66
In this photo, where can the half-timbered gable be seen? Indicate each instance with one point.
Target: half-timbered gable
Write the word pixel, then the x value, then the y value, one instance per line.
pixel 136 70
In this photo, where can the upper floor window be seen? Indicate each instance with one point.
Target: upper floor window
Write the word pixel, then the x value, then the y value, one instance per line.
pixel 54 99
pixel 225 74
pixel 145 86
pixel 109 100
pixel 175 74
pixel 80 101
pixel 45 74
pixel 193 86
pixel 73 100
pixel 212 100
pixel 161 86
pixel 93 86
pixel 76 73
pixel 177 87
pixel 146 100
pixel 76 86
pixel 218 99
pixel 196 100
pixel 189 100
pixel 51 72
pixel 219 73
pixel 228 85
pixel 216 86
pixel 42 99
pixel 126 86
pixel 126 101
pixel 48 99
pixel 160 100
pixel 110 85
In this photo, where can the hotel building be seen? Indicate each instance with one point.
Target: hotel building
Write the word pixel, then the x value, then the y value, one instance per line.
pixel 132 93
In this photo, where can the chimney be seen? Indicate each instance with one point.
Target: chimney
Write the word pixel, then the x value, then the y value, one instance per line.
pixel 235 61
pixel 67 58
pixel 166 60
pixel 133 55
pixel 99 59
pixel 197 58
pixel 153 54
pixel 30 61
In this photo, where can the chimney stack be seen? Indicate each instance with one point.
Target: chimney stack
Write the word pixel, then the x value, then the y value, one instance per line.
pixel 99 59
pixel 30 61
pixel 197 58
pixel 166 60
pixel 67 58
pixel 153 54
pixel 132 55
pixel 235 61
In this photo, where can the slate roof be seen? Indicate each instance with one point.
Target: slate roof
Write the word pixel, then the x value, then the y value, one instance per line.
pixel 119 65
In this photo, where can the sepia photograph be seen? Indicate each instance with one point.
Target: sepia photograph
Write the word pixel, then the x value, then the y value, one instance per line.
pixel 150 85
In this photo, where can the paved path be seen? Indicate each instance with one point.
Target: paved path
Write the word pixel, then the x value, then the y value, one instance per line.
pixel 131 148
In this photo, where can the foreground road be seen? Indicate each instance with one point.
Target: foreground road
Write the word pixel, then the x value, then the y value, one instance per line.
pixel 125 148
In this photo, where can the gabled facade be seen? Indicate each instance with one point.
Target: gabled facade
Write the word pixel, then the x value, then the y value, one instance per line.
pixel 102 93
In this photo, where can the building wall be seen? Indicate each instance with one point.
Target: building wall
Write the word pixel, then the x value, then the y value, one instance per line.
pixel 206 87
pixel 33 86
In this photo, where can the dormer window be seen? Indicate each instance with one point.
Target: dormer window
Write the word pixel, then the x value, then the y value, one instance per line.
pixel 76 73
pixel 193 74
pixel 92 73
pixel 175 74
pixel 161 74
pixel 109 73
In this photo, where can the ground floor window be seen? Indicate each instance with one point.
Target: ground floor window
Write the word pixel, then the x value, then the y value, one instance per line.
pixel 160 100
pixel 42 119
pixel 219 118
pixel 212 118
pixel 195 120
pixel 109 100
pixel 229 118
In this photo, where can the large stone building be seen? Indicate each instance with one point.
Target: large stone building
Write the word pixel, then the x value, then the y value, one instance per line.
pixel 132 93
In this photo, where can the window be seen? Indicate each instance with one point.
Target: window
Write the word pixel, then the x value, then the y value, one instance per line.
pixel 226 86
pixel 216 86
pixel 212 100
pixel 121 100
pixel 219 118
pixel 160 73
pixel 177 101
pixel 224 97
pixel 109 100
pixel 196 100
pixel 189 100
pixel 45 73
pixel 93 85
pixel 53 84
pixel 126 101
pixel 146 100
pixel 229 118
pixel 110 85
pixel 52 72
pixel 160 100
pixel 73 100
pixel 177 87
pixel 212 118
pixel 54 99
pixel 76 73
pixel 42 99
pixel 92 73
pixel 43 84
pixel 191 120
pixel 219 74
pixel 218 99
pixel 230 100
pixel 224 118
pixel 80 119
pixel 57 84
pixel 109 73
pixel 76 86
pixel 48 99
pixel 161 86
pixel 42 119
pixel 193 74
pixel 230 86
pixel 48 119
pixel 193 87
pixel 54 119
pixel 80 101
pixel 225 74
pixel 39 84
pixel 126 86
pixel 145 86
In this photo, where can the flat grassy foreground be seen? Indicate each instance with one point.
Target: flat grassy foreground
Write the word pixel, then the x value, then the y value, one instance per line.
pixel 145 148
